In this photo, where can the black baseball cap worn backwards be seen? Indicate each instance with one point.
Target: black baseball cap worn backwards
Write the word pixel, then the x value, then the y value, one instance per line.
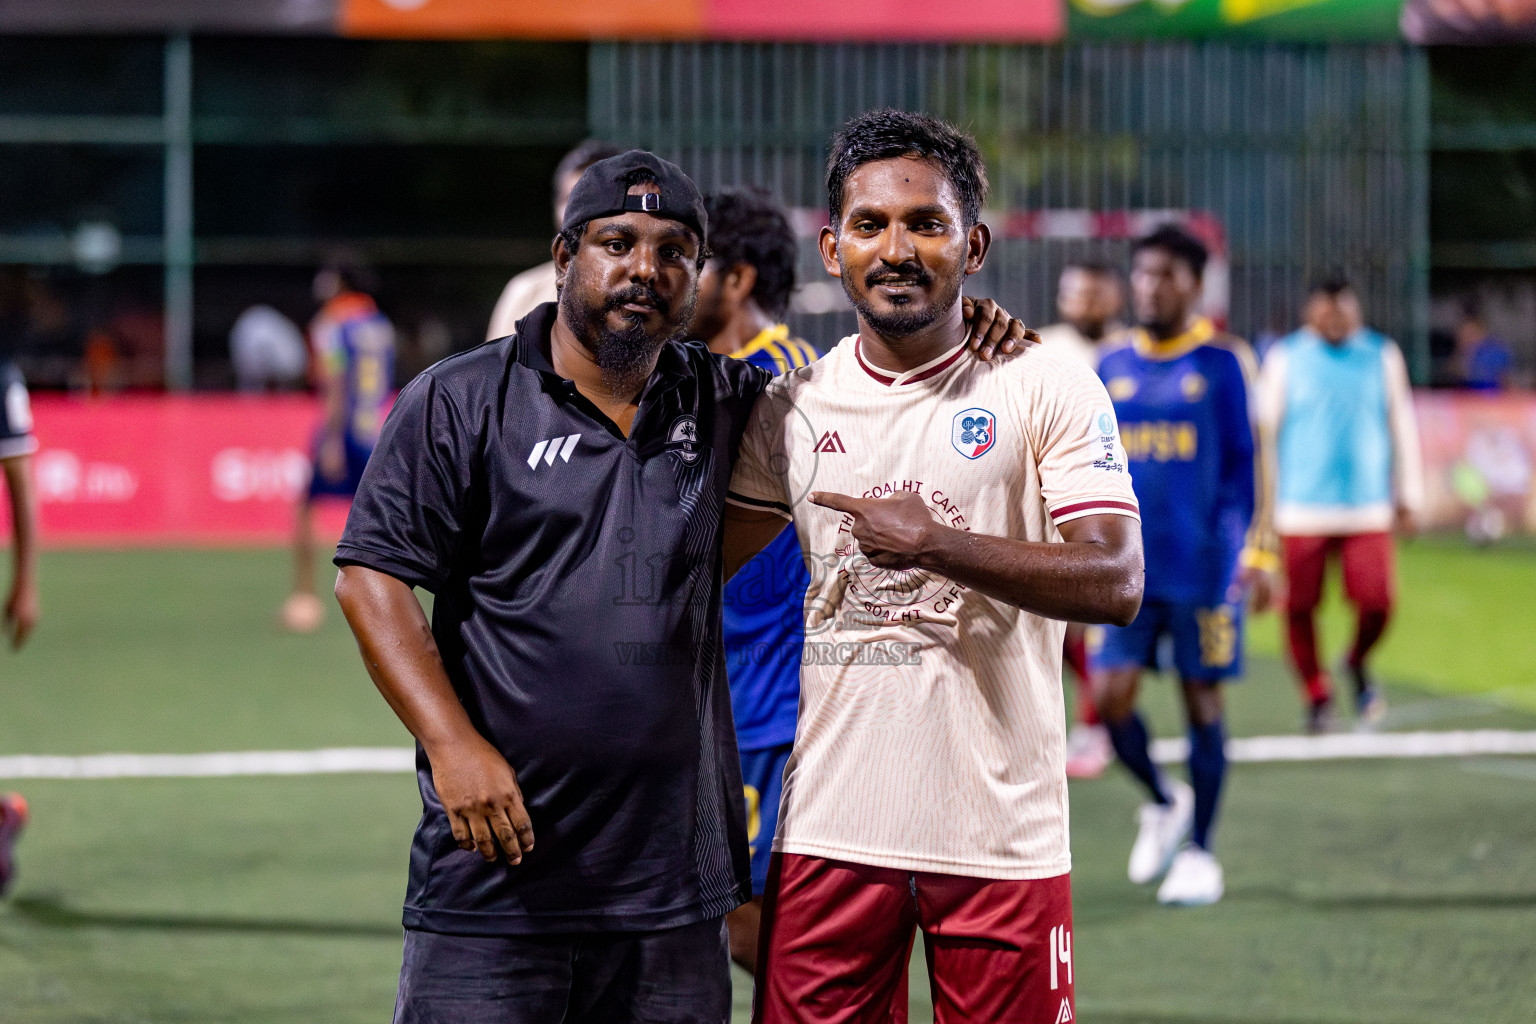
pixel 603 191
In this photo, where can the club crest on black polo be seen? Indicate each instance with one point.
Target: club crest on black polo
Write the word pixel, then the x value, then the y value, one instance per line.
pixel 973 432
pixel 683 439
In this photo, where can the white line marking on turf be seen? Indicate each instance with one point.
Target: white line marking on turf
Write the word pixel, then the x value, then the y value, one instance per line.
pixel 1348 746
pixel 374 760
pixel 250 762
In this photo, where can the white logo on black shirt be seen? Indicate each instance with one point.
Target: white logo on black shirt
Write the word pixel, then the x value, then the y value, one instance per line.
pixel 683 438
pixel 560 447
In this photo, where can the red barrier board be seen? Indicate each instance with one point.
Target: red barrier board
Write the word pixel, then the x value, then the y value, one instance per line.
pixel 998 21
pixel 227 469
pixel 1479 460
pixel 158 470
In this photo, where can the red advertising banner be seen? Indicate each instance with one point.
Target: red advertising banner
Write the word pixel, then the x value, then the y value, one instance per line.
pixel 157 470
pixel 832 20
pixel 529 19
pixel 993 21
pixel 207 470
pixel 1479 460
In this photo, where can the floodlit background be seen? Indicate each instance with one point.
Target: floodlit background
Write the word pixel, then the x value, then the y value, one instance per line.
pixel 165 166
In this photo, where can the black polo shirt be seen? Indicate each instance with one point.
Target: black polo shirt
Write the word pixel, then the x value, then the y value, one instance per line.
pixel 577 576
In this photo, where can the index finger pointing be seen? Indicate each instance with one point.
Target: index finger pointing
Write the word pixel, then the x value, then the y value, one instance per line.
pixel 833 500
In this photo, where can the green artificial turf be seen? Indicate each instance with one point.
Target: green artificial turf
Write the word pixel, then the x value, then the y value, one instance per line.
pixel 1379 892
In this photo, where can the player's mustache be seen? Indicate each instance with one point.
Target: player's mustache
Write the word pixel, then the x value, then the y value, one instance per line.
pixel 636 293
pixel 906 273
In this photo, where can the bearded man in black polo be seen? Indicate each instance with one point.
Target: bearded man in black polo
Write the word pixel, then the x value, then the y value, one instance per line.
pixel 559 491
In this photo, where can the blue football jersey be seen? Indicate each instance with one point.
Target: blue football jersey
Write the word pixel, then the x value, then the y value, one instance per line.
pixel 1189 438
pixel 765 601
pixel 356 342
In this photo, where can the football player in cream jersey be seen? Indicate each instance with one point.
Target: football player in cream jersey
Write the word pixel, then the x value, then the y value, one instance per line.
pixel 955 513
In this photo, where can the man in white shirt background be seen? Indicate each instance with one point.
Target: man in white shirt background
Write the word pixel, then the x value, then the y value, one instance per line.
pixel 1089 300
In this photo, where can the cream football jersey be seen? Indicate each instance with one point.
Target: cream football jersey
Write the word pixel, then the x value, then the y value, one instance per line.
pixel 931 720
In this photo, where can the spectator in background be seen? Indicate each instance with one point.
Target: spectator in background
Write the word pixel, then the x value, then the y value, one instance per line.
pixel 536 285
pixel 1334 401
pixel 267 350
pixel 1482 360
pixel 354 352
pixel 1090 300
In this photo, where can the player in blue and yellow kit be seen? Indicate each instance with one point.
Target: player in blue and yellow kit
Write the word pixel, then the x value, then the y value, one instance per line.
pixel 353 348
pixel 1181 394
pixel 743 291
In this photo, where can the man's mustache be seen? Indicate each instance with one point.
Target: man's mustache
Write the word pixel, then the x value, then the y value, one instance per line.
pixel 636 293
pixel 906 273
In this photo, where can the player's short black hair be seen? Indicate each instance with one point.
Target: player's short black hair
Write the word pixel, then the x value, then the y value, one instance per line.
pixel 1332 285
pixel 1179 244
pixel 883 134
pixel 1092 267
pixel 747 226
pixel 586 153
pixel 572 234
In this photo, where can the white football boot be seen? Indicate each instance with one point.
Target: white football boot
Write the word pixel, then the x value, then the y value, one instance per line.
pixel 1194 879
pixel 1164 827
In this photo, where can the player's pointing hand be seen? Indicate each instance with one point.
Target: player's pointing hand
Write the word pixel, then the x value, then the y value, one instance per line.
pixel 893 533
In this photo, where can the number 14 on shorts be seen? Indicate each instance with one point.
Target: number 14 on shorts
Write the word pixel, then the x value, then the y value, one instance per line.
pixel 1061 956
pixel 1061 968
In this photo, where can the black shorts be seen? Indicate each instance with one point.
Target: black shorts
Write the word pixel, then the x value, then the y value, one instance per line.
pixel 677 976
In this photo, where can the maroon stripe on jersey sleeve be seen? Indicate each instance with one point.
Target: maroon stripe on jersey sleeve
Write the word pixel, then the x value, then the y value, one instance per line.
pixel 1083 506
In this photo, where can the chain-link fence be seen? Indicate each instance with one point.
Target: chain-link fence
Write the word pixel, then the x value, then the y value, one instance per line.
pixel 1296 160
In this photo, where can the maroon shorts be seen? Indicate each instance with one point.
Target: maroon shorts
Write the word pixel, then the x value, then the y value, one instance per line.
pixel 836 938
pixel 1368 569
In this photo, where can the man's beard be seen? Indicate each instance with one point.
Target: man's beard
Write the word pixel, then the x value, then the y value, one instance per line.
pixel 1093 330
pixel 906 319
pixel 625 355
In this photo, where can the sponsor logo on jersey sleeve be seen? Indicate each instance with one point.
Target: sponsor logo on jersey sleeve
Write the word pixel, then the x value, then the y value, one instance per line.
pixel 973 432
pixel 1105 436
